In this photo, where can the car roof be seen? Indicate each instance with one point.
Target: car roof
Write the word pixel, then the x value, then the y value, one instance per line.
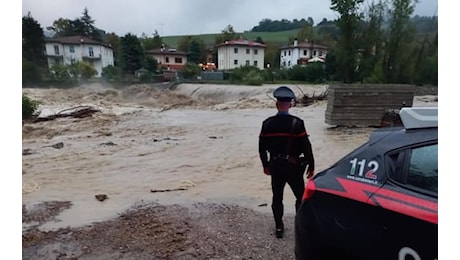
pixel 419 117
pixel 420 124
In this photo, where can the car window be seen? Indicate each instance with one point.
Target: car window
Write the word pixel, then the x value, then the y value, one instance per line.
pixel 415 168
pixel 396 165
pixel 423 168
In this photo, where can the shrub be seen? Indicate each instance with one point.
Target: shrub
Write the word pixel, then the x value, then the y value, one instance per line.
pixel 61 74
pixel 145 77
pixel 29 108
pixel 30 73
pixel 315 73
pixel 85 70
pixel 111 73
pixel 297 72
pixel 240 73
pixel 191 70
pixel 253 78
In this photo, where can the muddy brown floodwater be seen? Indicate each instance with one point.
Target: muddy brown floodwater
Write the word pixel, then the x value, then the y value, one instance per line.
pixel 195 146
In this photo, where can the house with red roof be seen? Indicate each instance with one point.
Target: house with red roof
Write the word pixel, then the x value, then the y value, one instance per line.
pixel 301 54
pixel 71 49
pixel 236 53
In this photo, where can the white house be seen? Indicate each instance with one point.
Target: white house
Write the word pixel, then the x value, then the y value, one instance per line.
pixel 301 54
pixel 68 50
pixel 236 53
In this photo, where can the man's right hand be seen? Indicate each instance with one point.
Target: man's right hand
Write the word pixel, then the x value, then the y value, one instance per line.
pixel 267 171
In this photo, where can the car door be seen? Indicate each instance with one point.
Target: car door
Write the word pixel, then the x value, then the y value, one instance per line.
pixel 409 203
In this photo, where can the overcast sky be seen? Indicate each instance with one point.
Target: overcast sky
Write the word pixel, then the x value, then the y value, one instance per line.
pixel 186 17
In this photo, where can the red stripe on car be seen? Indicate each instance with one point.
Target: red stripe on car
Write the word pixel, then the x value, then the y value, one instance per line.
pixel 388 199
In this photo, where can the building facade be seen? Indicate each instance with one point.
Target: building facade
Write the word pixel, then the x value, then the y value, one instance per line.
pixel 169 59
pixel 240 52
pixel 301 53
pixel 71 49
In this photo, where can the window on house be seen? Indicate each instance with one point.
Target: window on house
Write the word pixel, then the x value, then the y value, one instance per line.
pixel 71 49
pixel 91 51
pixel 56 49
pixel 235 62
pixel 248 51
pixel 235 50
pixel 167 59
pixel 57 61
pixel 247 62
pixel 72 61
pixel 255 51
pixel 289 53
pixel 304 52
pixel 255 63
pixel 314 53
pixel 320 53
pixel 284 53
pixel 178 60
pixel 289 63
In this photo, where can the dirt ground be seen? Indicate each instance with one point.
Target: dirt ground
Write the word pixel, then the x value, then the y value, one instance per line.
pixel 153 231
pixel 178 169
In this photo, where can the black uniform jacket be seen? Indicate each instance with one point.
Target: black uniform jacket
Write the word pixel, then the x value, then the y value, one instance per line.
pixel 274 139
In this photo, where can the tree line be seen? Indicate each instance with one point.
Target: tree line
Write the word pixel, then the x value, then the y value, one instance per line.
pixel 379 43
pixel 268 25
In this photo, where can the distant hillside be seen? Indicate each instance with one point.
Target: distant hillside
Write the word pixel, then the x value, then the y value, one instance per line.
pixel 422 24
pixel 279 38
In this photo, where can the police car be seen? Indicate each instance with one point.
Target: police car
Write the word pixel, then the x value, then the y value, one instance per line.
pixel 378 202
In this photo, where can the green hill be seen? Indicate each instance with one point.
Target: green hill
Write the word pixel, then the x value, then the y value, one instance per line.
pixel 423 26
pixel 278 38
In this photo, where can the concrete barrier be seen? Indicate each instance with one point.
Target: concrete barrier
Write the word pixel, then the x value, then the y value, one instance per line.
pixel 365 104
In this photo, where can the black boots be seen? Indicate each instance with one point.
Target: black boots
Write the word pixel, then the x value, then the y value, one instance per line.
pixel 279 230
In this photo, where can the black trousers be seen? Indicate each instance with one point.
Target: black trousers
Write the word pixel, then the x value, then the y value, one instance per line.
pixel 283 172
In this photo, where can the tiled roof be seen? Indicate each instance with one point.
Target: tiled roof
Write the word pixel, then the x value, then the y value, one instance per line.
pixel 307 45
pixel 76 39
pixel 166 51
pixel 242 42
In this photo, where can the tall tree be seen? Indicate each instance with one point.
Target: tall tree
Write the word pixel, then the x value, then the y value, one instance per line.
pixel 33 42
pixel 131 54
pixel 346 49
pixel 306 33
pixel 372 42
pixel 150 43
pixel 259 40
pixel 61 27
pixel 401 36
pixel 227 34
pixel 88 22
pixel 184 43
pixel 272 55
pixel 151 64
pixel 157 41
pixel 195 55
pixel 80 26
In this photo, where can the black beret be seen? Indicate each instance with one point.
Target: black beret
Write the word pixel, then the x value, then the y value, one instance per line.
pixel 284 93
